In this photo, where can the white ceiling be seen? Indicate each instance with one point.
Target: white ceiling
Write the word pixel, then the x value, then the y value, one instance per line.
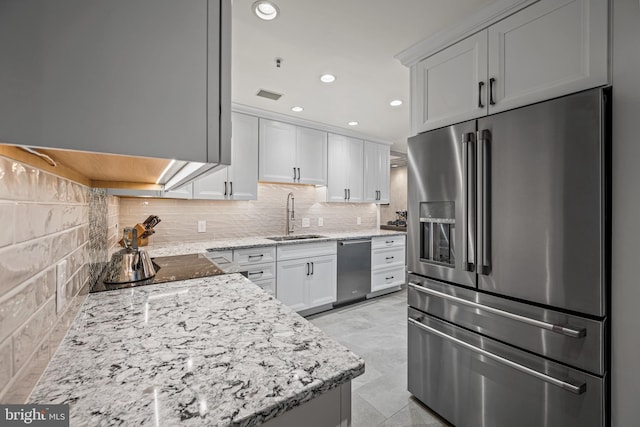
pixel 354 39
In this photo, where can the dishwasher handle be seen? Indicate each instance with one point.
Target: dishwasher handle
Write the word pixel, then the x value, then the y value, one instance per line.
pixel 353 242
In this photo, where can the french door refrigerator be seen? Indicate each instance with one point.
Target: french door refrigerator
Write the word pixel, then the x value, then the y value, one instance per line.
pixel 508 259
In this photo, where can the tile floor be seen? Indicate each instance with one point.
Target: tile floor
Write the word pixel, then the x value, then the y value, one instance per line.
pixel 376 330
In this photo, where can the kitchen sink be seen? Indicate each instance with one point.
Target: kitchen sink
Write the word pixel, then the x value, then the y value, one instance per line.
pixel 295 237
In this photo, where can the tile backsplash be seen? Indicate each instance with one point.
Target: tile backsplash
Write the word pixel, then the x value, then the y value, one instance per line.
pixel 231 219
pixel 45 219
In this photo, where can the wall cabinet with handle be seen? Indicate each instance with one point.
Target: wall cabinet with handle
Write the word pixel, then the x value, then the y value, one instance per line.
pixel 376 172
pixel 549 49
pixel 345 182
pixel 144 78
pixel 239 181
pixel 292 154
pixel 307 275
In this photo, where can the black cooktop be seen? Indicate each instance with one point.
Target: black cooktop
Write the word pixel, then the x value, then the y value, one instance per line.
pixel 174 268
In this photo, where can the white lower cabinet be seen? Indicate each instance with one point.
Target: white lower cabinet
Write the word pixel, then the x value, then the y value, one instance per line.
pixel 306 275
pixel 388 261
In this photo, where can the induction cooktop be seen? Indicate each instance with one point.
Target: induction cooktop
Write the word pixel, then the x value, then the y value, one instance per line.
pixel 174 268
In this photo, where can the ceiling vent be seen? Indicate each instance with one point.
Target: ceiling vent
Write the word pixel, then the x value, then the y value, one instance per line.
pixel 269 95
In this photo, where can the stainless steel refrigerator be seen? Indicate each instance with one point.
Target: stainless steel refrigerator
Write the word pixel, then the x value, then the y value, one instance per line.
pixel 509 266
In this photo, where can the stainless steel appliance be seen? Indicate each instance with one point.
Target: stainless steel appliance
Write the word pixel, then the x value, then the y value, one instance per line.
pixel 354 270
pixel 130 264
pixel 509 267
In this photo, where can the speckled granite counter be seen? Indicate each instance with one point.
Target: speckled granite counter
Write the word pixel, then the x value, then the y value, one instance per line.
pixel 215 351
pixel 254 242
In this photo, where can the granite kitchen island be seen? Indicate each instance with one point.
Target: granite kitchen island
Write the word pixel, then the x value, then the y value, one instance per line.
pixel 215 351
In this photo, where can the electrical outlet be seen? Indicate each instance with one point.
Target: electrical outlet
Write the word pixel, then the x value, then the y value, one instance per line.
pixel 306 222
pixel 320 222
pixel 202 226
pixel 61 286
pixel 358 220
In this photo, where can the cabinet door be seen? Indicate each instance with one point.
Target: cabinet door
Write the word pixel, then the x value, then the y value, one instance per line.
pixel 337 165
pixel 370 172
pixel 323 281
pixel 277 151
pixel 450 86
pixel 355 169
pixel 311 156
pixel 214 186
pixel 243 172
pixel 550 49
pixel 376 172
pixel 292 283
pixel 384 165
pixel 109 76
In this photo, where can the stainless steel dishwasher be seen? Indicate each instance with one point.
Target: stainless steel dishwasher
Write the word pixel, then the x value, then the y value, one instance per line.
pixel 354 270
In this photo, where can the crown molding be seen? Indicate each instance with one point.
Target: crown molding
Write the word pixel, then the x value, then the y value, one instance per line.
pixel 265 114
pixel 481 20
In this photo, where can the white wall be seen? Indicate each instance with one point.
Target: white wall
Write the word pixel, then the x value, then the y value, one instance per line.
pixel 625 313
pixel 397 195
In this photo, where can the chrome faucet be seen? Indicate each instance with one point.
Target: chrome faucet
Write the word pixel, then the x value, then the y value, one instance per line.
pixel 290 214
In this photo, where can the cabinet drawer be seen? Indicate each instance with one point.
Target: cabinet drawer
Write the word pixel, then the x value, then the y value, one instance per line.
pixel 388 241
pixel 387 278
pixel 261 272
pixel 306 250
pixel 267 285
pixel 380 258
pixel 227 255
pixel 251 256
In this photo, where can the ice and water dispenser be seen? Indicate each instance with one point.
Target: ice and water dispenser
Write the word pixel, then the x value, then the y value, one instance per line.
pixel 437 232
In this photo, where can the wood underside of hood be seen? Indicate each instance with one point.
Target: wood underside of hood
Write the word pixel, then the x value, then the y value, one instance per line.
pixel 95 169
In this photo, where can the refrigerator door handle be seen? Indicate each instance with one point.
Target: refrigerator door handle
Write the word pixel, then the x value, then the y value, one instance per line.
pixel 577 389
pixel 468 261
pixel 564 330
pixel 484 145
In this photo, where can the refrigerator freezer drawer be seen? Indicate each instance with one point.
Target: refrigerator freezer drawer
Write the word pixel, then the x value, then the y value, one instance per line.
pixel 472 381
pixel 574 340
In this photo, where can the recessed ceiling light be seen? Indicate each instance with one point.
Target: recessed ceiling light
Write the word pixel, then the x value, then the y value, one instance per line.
pixel 395 103
pixel 394 166
pixel 265 10
pixel 353 123
pixel 297 109
pixel 327 78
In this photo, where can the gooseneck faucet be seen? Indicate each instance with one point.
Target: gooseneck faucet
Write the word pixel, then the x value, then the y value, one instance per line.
pixel 290 213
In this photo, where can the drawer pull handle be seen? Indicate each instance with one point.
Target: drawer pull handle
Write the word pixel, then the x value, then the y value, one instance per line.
pixel 256 256
pixel 256 273
pixel 389 278
pixel 577 389
pixel 389 258
pixel 389 242
pixel 564 330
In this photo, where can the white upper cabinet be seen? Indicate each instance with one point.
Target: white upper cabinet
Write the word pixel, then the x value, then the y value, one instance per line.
pixel 449 86
pixel 277 151
pixel 240 180
pixel 345 165
pixel 311 156
pixel 549 49
pixel 145 78
pixel 376 172
pixel 292 154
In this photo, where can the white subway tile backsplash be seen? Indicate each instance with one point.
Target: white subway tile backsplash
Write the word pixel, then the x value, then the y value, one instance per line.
pixel 6 223
pixel 43 219
pixel 5 362
pixel 27 339
pixel 230 219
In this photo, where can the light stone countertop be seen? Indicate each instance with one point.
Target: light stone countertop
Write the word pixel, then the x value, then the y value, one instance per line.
pixel 215 351
pixel 255 242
